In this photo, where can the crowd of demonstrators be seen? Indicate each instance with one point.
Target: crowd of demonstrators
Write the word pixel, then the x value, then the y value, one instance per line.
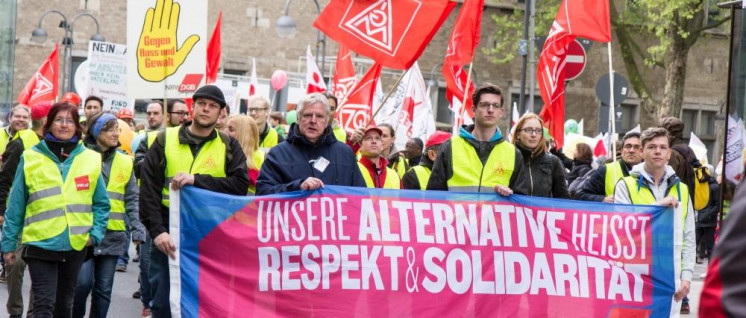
pixel 58 219
pixel 275 121
pixel 311 157
pixel 259 110
pixel 247 155
pixel 654 182
pixel 373 166
pixel 477 148
pixel 96 275
pixel 545 171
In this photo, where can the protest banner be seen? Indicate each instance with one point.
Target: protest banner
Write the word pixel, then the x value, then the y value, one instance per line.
pixel 107 75
pixel 168 47
pixel 360 252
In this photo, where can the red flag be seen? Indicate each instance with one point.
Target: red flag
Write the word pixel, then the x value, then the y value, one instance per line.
pixel 456 77
pixel 252 81
pixel 465 34
pixel 344 74
pixel 393 33
pixel 213 53
pixel 584 18
pixel 314 79
pixel 358 108
pixel 600 149
pixel 42 87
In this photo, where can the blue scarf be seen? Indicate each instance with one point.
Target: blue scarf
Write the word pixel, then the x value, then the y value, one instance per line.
pixel 49 136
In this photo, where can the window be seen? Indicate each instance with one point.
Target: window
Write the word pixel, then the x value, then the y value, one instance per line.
pixel 701 121
pixel 234 72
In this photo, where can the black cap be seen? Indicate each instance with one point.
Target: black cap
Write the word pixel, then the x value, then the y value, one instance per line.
pixel 210 92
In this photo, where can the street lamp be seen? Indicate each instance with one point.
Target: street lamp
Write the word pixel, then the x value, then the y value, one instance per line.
pixel 39 35
pixel 285 27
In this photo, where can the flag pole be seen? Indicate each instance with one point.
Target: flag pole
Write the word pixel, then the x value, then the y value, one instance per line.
pixel 387 97
pixel 611 108
pixel 466 89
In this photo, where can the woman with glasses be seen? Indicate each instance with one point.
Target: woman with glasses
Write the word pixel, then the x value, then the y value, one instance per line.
pixel 546 173
pixel 58 206
pixel 96 276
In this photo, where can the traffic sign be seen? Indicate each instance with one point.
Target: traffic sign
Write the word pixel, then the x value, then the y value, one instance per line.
pixel 575 60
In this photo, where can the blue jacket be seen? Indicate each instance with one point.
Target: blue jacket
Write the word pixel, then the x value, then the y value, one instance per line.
pixel 16 208
pixel 289 163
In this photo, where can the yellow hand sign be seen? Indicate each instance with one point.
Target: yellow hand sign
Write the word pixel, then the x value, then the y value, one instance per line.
pixel 158 56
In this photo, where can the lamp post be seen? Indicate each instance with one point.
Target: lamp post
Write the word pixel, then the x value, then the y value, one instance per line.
pixel 285 27
pixel 39 35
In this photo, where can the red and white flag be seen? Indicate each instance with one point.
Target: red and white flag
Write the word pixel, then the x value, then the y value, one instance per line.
pixel 392 32
pixel 357 110
pixel 344 74
pixel 42 87
pixel 416 118
pixel 584 18
pixel 213 53
pixel 313 75
pixel 253 84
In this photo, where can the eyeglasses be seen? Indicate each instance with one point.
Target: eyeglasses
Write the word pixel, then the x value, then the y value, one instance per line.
pixel 182 114
pixel 257 109
pixel 61 121
pixel 487 105
pixel 531 131
pixel 630 147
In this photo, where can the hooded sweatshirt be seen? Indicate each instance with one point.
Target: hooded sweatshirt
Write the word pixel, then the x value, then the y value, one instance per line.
pixel 684 239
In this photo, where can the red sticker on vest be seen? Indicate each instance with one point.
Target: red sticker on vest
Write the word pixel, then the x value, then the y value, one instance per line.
pixel 82 183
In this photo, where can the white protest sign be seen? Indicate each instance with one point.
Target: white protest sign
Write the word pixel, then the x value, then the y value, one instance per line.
pixel 167 41
pixel 107 75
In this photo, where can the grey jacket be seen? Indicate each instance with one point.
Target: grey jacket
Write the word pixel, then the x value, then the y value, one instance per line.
pixel 683 245
pixel 114 242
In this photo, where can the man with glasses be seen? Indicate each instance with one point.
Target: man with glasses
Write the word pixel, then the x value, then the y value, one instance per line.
pixel 312 157
pixel 479 159
pixel 259 110
pixel 599 185
pixel 178 112
pixel 655 182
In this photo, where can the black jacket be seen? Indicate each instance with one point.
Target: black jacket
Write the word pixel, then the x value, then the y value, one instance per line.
pixel 546 175
pixel 708 217
pixel 410 181
pixel 594 189
pixel 153 214
pixel 289 163
pixel 578 170
pixel 11 157
pixel 443 166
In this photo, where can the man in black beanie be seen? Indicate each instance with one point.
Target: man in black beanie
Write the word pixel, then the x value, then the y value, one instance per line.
pixel 194 153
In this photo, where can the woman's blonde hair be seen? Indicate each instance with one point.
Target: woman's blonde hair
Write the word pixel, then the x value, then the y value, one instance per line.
pixel 542 146
pixel 247 134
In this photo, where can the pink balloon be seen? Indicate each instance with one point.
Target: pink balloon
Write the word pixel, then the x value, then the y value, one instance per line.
pixel 279 79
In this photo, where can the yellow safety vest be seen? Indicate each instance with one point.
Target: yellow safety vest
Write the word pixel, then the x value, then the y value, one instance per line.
pixel 610 181
pixel 392 180
pixel 210 159
pixel 340 134
pixel 55 205
pixel 423 175
pixel 469 175
pixel 400 165
pixel 4 139
pixel 151 137
pixel 119 176
pixel 270 140
pixel 258 161
pixel 639 196
pixel 28 137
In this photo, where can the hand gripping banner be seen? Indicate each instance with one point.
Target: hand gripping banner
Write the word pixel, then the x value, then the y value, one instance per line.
pixel 341 251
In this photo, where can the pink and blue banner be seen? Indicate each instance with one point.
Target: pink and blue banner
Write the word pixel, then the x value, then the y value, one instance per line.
pixel 341 251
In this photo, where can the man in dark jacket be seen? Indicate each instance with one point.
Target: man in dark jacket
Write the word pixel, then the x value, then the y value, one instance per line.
pixel 172 147
pixel 600 183
pixel 479 159
pixel 311 157
pixel 707 220
pixel 417 177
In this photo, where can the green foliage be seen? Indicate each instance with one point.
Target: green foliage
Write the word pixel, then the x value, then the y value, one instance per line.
pixel 510 30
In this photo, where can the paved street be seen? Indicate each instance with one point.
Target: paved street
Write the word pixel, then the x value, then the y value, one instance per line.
pixel 124 306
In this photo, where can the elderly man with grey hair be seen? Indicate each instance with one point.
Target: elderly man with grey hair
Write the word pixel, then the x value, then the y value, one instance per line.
pixel 311 157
